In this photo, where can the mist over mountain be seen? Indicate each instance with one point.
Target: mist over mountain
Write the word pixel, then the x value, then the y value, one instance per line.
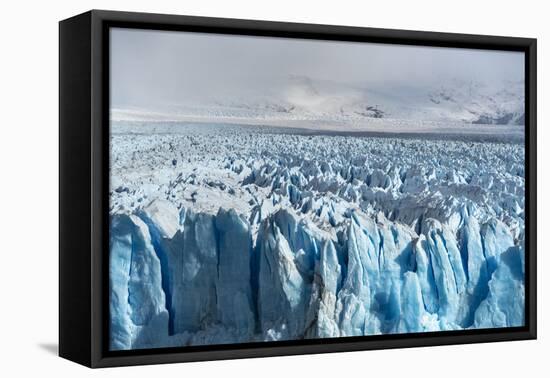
pixel 299 97
pixel 174 75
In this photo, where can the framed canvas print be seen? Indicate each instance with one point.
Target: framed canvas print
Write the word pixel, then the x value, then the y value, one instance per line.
pixel 234 188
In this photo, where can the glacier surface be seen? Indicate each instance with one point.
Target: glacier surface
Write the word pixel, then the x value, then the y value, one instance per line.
pixel 225 234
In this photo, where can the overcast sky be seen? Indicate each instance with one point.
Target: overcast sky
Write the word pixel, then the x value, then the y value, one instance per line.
pixel 150 68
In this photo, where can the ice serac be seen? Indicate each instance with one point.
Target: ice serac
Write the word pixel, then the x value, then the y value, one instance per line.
pixel 504 304
pixel 362 267
pixel 416 318
pixel 322 314
pixel 447 271
pixel 281 288
pixel 137 301
pixel 233 287
pixel 476 269
pixel 202 268
pixel 192 265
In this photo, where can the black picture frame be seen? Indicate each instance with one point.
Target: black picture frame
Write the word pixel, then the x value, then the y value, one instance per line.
pixel 84 180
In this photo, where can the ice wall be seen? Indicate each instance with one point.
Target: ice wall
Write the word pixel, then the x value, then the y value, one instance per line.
pixel 185 278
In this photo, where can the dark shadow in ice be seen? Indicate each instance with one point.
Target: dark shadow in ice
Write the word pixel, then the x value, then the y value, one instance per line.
pixel 406 259
pixel 512 258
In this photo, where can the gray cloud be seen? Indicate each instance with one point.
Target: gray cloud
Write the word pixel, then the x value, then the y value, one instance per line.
pixel 150 68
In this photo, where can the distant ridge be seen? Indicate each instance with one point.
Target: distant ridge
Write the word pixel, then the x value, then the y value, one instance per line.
pixel 302 98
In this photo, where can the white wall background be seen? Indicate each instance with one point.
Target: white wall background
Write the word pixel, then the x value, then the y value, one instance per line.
pixel 29 186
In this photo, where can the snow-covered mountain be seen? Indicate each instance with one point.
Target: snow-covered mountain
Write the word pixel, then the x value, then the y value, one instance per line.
pixel 304 98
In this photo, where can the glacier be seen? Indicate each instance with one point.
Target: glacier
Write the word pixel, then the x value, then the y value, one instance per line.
pixel 231 234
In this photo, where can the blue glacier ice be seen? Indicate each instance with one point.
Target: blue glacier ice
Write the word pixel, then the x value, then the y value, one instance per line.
pixel 137 301
pixel 298 282
pixel 293 237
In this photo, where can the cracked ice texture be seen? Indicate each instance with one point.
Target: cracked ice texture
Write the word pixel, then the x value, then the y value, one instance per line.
pixel 226 234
